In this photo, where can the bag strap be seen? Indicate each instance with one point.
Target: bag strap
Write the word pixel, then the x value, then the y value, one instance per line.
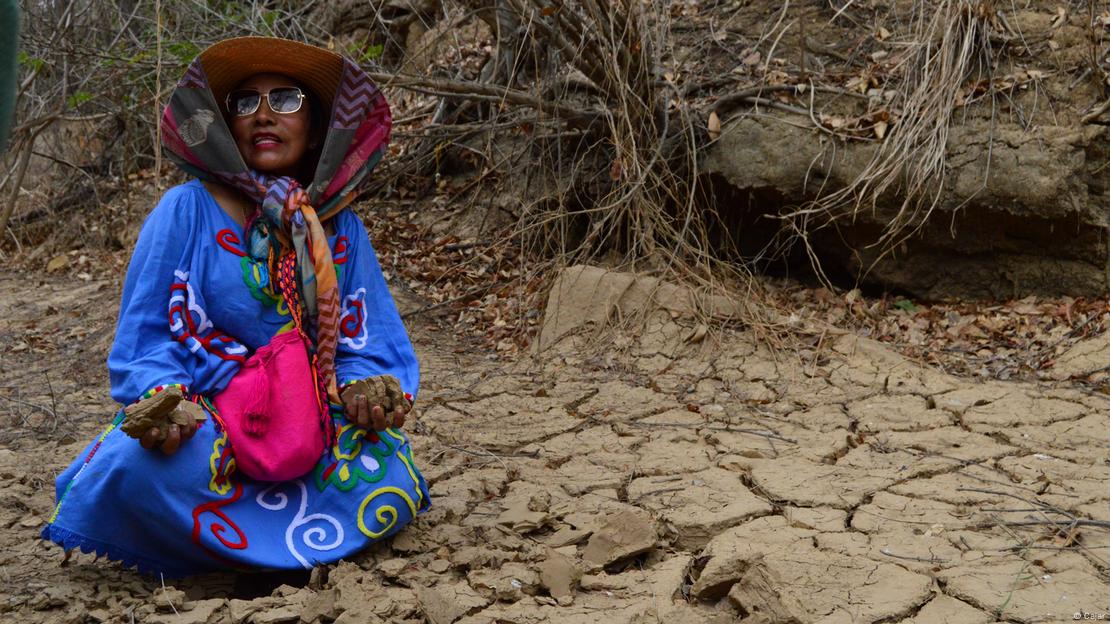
pixel 287 283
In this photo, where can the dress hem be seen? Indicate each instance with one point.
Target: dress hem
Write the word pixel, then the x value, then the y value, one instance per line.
pixel 69 540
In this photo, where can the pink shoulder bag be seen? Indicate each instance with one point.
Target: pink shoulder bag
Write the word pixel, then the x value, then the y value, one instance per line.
pixel 272 412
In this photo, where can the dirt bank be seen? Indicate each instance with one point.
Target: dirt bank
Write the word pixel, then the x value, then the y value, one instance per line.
pixel 1024 212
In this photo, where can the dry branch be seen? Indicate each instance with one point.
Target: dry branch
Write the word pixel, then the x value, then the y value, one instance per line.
pixel 476 90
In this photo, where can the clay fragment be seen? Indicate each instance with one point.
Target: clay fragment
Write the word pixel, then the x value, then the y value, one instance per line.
pixel 161 410
pixel 321 606
pixel 445 603
pixel 558 575
pixel 169 599
pixel 624 534
pixel 197 612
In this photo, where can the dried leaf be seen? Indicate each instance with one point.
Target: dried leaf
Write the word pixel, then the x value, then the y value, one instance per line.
pixel 880 129
pixel 714 126
pixel 698 334
pixel 57 263
pixel 859 83
pixel 1061 17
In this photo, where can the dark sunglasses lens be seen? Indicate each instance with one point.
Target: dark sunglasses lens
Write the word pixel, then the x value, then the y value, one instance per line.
pixel 243 102
pixel 285 100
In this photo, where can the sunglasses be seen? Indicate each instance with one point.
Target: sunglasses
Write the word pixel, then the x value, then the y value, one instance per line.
pixel 283 100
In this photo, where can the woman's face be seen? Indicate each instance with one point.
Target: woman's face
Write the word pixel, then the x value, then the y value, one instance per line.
pixel 271 142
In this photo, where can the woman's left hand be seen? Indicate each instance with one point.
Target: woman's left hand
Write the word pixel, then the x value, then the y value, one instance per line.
pixel 377 401
pixel 360 412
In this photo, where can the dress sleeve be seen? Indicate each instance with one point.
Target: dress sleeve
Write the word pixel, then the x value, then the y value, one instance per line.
pixel 372 339
pixel 145 354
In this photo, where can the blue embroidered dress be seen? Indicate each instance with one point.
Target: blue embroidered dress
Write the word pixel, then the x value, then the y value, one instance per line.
pixel 194 306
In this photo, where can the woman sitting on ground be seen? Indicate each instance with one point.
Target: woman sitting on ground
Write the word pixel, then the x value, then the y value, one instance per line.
pixel 265 366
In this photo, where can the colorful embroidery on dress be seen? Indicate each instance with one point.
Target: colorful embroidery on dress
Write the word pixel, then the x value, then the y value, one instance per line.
pixel 256 275
pixel 217 530
pixel 315 537
pixel 339 256
pixel 190 326
pixel 355 462
pixel 222 465
pixel 385 514
pixel 228 240
pixel 156 389
pixel 257 278
pixel 350 464
pixel 352 324
pixel 404 453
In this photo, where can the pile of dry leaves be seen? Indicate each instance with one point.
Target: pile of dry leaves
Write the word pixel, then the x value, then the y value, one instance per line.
pixel 1009 340
pixel 482 289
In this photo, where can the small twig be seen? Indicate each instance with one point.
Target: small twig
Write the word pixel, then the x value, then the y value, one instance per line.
pixel 483 453
pixel 463 246
pixel 762 434
pixel 53 402
pixel 44 410
pixel 1095 114
pixel 1013 588
pixel 1016 509
pixel 841 11
pixel 886 551
pixel 680 488
pixel 1102 524
pixel 1086 72
pixel 167 598
pixel 1015 496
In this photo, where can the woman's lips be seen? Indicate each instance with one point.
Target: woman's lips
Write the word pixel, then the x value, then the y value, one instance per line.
pixel 265 141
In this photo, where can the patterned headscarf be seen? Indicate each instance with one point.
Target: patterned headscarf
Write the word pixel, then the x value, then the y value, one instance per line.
pixel 289 218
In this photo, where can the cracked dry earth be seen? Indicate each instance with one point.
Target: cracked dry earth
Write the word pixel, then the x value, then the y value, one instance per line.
pixel 671 483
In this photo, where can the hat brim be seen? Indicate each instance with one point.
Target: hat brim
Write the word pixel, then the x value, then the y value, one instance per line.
pixel 228 63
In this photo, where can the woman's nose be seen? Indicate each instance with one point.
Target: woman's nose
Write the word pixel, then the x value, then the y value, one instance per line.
pixel 264 112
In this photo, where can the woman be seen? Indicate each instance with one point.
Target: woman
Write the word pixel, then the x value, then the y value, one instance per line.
pixel 259 249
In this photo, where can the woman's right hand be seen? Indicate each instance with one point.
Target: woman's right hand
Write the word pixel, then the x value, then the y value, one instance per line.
pixel 164 420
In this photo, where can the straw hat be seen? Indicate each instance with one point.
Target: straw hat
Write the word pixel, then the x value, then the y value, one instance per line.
pixel 230 62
